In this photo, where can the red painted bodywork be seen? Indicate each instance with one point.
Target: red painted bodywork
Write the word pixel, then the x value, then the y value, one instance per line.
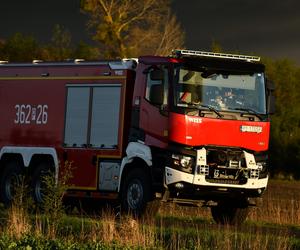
pixel 201 131
pixel 26 85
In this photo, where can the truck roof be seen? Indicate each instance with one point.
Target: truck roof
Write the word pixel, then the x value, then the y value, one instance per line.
pixel 75 68
pixel 113 64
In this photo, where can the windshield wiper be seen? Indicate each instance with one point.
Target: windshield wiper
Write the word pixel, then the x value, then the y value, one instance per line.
pixel 210 108
pixel 250 111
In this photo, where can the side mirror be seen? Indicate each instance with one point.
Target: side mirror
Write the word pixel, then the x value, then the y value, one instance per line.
pixel 270 85
pixel 271 104
pixel 270 97
pixel 157 94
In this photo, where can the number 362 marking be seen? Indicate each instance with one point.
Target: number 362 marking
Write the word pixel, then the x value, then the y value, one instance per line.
pixel 31 114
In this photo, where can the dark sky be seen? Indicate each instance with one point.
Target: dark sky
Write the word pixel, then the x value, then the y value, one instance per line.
pixel 263 27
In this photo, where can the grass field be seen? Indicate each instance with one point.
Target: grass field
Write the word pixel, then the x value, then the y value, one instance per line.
pixel 275 224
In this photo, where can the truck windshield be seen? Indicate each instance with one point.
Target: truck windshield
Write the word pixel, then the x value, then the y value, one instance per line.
pixel 221 91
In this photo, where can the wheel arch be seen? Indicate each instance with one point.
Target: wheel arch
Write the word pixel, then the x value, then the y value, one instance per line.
pixel 30 155
pixel 136 163
pixel 7 157
pixel 41 158
pixel 138 156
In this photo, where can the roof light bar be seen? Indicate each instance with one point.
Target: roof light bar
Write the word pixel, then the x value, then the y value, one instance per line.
pixel 180 53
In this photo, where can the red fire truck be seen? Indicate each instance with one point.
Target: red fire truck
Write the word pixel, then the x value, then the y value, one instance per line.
pixel 191 128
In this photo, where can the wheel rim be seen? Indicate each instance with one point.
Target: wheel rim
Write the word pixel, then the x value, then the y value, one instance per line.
pixel 38 191
pixel 11 185
pixel 135 194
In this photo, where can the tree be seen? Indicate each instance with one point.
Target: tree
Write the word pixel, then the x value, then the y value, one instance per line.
pixel 285 125
pixel 60 47
pixel 85 51
pixel 20 48
pixel 216 47
pixel 171 37
pixel 127 28
pixel 2 43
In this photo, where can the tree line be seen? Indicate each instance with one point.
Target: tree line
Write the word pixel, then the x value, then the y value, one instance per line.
pixel 119 29
pixel 285 123
pixel 129 28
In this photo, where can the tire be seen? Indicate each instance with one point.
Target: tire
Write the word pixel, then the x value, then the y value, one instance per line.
pixel 135 193
pixel 38 186
pixel 9 182
pixel 229 213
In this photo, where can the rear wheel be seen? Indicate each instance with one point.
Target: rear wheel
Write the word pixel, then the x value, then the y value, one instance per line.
pixel 10 181
pixel 38 185
pixel 135 192
pixel 230 213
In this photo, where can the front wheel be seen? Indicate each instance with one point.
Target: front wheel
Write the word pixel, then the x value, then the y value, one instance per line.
pixel 230 213
pixel 135 192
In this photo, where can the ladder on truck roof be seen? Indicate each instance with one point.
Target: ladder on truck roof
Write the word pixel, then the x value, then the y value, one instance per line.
pixel 184 53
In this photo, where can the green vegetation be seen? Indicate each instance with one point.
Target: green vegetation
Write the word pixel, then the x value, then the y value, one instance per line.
pixel 273 225
pixel 25 48
pixel 285 126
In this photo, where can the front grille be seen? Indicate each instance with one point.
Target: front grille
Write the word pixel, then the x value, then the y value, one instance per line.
pixel 226 166
pixel 219 174
pixel 231 158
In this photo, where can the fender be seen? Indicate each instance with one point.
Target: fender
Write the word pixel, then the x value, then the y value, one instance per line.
pixel 28 152
pixel 135 150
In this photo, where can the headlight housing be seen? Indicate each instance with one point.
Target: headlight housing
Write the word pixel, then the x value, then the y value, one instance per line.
pixel 262 162
pixel 183 163
pixel 263 166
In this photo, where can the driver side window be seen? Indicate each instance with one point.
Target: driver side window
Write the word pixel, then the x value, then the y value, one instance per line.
pixel 157 86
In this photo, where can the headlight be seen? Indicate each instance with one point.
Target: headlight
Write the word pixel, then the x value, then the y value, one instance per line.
pixel 263 167
pixel 183 163
pixel 262 163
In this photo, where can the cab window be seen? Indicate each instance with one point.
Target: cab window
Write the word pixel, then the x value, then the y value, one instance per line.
pixel 157 86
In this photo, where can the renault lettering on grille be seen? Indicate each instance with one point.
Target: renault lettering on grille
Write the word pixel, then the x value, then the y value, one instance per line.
pixel 251 129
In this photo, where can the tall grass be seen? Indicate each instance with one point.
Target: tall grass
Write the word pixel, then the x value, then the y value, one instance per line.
pixel 173 228
pixel 155 233
pixel 280 205
pixel 18 222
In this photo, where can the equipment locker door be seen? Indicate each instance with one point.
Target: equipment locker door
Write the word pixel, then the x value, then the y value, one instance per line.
pixel 91 128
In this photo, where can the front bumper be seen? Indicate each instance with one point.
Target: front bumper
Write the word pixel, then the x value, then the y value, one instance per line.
pixel 195 186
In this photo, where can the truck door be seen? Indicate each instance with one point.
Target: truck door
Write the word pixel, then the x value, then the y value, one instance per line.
pixel 91 130
pixel 154 106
